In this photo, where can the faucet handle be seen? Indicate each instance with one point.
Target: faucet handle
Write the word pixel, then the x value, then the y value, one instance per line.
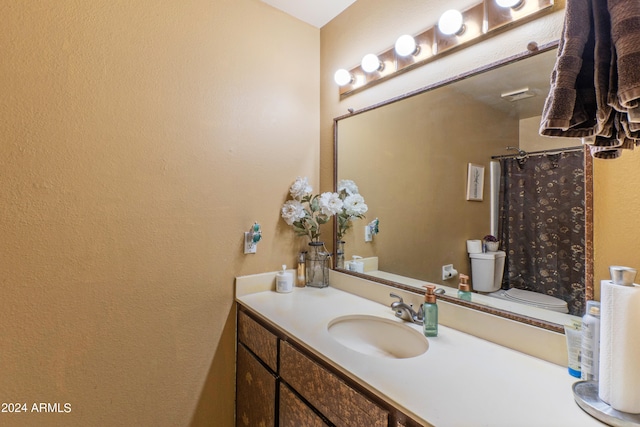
pixel 396 296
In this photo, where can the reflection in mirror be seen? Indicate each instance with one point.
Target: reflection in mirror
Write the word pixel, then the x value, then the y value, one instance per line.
pixel 411 159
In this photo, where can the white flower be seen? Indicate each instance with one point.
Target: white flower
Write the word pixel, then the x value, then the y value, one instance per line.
pixel 307 212
pixel 292 211
pixel 347 185
pixel 330 203
pixel 354 205
pixel 300 188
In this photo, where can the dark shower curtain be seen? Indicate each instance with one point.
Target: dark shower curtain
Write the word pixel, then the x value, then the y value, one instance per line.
pixel 542 220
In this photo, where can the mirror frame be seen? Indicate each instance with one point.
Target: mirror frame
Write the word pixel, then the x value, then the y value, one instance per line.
pixel 588 164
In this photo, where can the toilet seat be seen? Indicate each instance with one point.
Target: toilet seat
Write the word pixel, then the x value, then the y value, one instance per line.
pixel 534 299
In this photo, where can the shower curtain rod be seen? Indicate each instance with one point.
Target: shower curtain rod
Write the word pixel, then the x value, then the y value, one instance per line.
pixel 523 154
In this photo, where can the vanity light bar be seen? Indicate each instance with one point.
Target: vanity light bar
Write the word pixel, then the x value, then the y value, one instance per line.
pixel 478 22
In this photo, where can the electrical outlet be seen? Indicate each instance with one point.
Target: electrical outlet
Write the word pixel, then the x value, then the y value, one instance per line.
pixel 368 236
pixel 249 246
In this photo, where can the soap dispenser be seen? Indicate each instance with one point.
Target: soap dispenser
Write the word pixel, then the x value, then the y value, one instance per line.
pixel 284 281
pixel 301 277
pixel 464 290
pixel 430 309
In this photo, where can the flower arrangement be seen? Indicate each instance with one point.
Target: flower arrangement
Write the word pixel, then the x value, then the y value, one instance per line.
pixel 491 243
pixel 306 211
pixel 353 205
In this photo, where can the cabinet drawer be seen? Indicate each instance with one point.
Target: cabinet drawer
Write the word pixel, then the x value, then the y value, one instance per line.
pixel 260 341
pixel 341 404
pixel 255 392
pixel 295 413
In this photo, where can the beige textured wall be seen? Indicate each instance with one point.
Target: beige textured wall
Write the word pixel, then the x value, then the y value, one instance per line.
pixel 139 140
pixel 616 209
pixel 418 188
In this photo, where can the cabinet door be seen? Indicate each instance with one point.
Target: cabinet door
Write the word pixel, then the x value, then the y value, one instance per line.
pixel 295 413
pixel 329 394
pixel 255 392
pixel 259 340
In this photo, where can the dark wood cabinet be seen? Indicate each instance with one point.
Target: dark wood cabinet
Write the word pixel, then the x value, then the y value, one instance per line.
pixel 255 391
pixel 259 340
pixel 340 403
pixel 294 412
pixel 279 384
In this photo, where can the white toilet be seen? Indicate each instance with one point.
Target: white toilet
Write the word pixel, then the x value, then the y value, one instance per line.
pixel 487 269
pixel 486 277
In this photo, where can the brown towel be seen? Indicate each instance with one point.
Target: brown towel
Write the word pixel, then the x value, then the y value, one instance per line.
pixel 625 32
pixel 570 107
pixel 595 84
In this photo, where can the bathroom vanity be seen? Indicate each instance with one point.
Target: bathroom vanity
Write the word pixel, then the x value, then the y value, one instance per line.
pixel 300 389
pixel 292 371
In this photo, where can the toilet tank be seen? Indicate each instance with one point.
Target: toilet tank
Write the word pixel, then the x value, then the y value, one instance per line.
pixel 487 270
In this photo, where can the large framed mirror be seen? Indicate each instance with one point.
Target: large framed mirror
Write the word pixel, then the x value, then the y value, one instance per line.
pixel 460 160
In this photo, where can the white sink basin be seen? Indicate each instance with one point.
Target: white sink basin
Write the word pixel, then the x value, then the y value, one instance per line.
pixel 376 336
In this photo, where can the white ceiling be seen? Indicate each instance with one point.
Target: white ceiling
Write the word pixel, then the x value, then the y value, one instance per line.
pixel 314 12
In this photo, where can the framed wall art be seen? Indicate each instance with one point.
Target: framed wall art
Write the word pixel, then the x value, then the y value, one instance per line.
pixel 475 182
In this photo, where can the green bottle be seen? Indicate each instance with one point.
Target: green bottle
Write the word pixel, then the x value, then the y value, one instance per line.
pixel 430 310
pixel 464 290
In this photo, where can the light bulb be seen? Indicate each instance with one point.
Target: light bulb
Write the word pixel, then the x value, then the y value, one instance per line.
pixel 450 22
pixel 370 63
pixel 509 3
pixel 342 77
pixel 406 45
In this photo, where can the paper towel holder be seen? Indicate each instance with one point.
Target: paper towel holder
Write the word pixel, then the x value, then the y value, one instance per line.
pixel 448 272
pixel 585 394
pixel 621 275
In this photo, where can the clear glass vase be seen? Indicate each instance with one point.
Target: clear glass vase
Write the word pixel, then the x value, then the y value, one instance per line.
pixel 317 263
pixel 340 254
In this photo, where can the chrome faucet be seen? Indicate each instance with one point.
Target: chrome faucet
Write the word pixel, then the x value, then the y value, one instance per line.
pixel 405 311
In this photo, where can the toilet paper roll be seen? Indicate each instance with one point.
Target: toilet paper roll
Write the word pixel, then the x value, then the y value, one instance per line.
pixel 619 382
pixel 474 246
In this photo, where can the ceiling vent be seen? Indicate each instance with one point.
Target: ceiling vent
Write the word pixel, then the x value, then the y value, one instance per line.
pixel 517 95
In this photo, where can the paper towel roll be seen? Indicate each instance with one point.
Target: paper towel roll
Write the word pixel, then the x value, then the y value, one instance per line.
pixel 619 382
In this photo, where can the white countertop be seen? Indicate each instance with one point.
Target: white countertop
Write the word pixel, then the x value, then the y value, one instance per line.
pixel 461 380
